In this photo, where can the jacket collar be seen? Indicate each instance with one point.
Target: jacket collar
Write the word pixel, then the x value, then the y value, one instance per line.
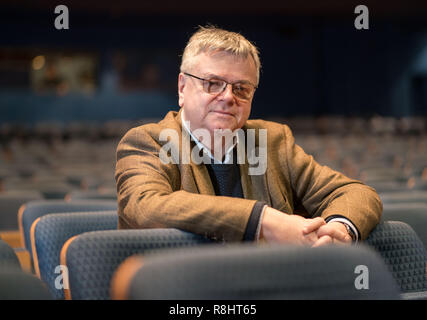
pixel 254 187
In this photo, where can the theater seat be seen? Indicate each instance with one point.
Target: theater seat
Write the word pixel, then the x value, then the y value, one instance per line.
pixel 32 210
pixel 404 254
pixel 91 258
pixel 50 232
pixel 8 257
pixel 414 214
pixel 404 197
pixel 16 284
pixel 91 194
pixel 245 272
pixel 10 203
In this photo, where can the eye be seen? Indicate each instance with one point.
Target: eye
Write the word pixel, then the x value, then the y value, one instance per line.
pixel 215 85
pixel 242 89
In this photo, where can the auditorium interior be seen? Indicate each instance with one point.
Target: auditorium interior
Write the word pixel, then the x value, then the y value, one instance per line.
pixel 355 99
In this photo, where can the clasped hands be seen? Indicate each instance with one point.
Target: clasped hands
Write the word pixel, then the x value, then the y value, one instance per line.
pixel 278 227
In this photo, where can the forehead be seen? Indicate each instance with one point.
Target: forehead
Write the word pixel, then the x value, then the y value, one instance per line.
pixel 226 66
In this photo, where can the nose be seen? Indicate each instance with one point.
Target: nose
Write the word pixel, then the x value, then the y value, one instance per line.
pixel 227 93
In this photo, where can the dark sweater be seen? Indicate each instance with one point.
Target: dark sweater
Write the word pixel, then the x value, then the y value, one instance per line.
pixel 226 182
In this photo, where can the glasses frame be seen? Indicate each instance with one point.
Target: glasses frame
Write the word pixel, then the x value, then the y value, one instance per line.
pixel 226 84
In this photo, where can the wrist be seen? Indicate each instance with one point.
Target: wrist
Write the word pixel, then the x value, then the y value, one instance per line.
pixel 269 222
pixel 346 228
pixel 353 232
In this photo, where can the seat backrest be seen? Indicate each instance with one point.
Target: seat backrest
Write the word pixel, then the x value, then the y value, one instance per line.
pixel 246 272
pixel 91 194
pixel 403 252
pixel 29 212
pixel 51 231
pixel 10 202
pixel 91 258
pixel 16 284
pixel 387 186
pixel 8 257
pixel 414 214
pixel 409 196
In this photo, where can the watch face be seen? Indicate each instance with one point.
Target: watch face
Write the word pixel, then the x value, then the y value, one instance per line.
pixel 350 232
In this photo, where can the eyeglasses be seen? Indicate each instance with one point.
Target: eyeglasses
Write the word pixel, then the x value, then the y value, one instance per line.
pixel 241 90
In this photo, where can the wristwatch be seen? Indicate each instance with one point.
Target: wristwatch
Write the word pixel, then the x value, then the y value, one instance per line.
pixel 350 232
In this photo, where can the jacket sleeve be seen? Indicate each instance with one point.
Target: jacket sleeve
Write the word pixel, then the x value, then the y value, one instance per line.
pixel 150 194
pixel 326 192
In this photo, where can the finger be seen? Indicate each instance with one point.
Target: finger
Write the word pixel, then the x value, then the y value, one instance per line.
pixel 310 238
pixel 313 225
pixel 342 242
pixel 325 240
pixel 341 236
pixel 345 239
pixel 336 234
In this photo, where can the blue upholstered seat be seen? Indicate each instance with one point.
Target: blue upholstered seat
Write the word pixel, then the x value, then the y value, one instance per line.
pixel 35 209
pixel 92 258
pixel 16 284
pixel 414 214
pixel 10 202
pixel 409 196
pixel 246 271
pixel 8 257
pixel 50 232
pixel 91 194
pixel 403 252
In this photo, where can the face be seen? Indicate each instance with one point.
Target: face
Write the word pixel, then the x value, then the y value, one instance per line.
pixel 221 111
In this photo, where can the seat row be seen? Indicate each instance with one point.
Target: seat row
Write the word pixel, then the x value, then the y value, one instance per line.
pixel 78 253
pixel 11 202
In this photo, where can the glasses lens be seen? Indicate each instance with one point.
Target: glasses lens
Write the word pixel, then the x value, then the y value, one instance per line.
pixel 214 86
pixel 242 91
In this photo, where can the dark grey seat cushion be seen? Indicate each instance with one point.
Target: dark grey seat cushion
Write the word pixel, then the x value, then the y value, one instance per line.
pixel 262 272
pixel 403 252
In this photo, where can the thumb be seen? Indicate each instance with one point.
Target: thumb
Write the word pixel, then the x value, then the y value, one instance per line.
pixel 313 225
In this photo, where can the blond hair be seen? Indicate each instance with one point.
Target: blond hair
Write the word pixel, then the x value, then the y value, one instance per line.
pixel 211 38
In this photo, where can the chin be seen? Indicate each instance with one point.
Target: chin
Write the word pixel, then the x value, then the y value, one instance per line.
pixel 224 124
pixel 232 128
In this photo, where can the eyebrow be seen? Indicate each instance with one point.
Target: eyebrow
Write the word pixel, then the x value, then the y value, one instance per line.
pixel 211 76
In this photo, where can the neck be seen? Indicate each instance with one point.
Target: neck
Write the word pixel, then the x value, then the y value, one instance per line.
pixel 217 142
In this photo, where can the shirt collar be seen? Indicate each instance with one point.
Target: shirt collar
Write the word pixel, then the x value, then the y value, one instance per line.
pixel 228 154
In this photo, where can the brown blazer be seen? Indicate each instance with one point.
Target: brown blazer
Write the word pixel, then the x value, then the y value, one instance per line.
pixel 152 194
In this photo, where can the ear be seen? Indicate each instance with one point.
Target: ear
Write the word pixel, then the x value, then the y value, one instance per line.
pixel 181 86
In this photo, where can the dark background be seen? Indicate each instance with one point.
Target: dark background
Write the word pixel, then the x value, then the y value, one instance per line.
pixel 314 61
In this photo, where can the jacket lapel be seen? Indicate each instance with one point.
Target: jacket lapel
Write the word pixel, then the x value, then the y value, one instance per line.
pixel 254 186
pixel 195 178
pixel 202 179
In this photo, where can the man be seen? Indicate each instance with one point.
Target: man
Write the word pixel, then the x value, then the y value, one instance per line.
pixel 294 200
